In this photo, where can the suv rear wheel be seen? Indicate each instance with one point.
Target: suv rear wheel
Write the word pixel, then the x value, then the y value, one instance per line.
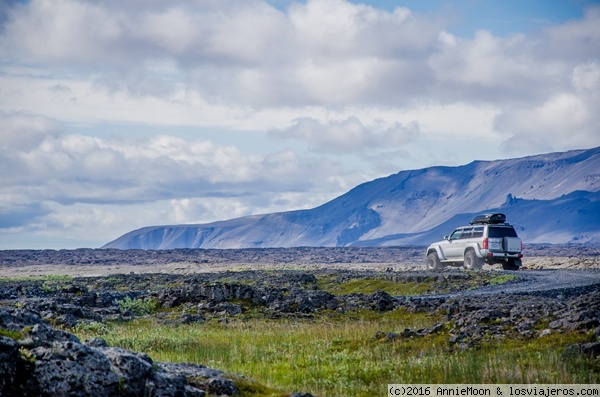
pixel 472 262
pixel 433 261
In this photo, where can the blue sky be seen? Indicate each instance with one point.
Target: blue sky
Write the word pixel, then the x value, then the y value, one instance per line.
pixel 117 115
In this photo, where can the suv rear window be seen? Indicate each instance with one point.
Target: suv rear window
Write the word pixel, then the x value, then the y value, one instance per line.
pixel 478 231
pixel 501 232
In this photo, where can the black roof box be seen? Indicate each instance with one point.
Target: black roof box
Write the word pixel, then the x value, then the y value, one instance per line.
pixel 485 219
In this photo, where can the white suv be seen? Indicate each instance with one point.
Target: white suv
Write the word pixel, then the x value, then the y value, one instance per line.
pixel 487 239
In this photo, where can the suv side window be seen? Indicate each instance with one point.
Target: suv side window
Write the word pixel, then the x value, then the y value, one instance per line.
pixel 467 233
pixel 477 232
pixel 501 232
pixel 455 234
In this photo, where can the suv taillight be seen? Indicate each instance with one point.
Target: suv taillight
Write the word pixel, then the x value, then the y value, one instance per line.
pixel 484 245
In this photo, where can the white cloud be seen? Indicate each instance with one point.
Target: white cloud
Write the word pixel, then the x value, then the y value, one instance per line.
pixel 561 123
pixel 240 51
pixel 586 78
pixel 566 120
pixel 56 180
pixel 575 41
pixel 249 55
pixel 62 31
pixel 349 135
pixel 358 87
pixel 21 131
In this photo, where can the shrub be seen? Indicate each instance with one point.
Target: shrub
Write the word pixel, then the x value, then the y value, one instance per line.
pixel 139 306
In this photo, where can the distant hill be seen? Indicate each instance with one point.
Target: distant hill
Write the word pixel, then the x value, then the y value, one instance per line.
pixel 550 198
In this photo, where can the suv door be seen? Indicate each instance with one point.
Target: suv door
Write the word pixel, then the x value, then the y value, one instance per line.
pixel 453 249
pixel 503 238
pixel 461 244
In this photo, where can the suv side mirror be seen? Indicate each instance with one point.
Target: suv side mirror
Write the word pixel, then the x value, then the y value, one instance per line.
pixel 446 238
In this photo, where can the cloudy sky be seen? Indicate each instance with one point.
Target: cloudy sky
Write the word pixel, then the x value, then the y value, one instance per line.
pixel 118 114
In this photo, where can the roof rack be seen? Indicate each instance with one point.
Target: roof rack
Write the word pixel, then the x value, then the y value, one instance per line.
pixel 489 219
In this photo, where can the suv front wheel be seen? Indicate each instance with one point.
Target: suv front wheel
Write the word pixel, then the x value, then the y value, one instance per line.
pixel 472 262
pixel 433 261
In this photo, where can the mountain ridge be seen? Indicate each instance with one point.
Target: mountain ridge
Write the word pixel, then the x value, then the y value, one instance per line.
pixel 416 207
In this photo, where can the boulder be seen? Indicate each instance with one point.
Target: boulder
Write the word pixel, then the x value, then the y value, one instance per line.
pixel 36 359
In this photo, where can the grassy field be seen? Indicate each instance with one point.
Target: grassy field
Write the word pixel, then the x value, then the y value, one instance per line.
pixel 347 354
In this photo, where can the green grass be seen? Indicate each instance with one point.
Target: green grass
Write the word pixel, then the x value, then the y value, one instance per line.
pixel 15 335
pixel 371 285
pixel 502 279
pixel 340 354
pixel 139 306
pixel 46 278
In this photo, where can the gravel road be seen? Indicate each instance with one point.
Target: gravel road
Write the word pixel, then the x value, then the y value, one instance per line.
pixel 551 283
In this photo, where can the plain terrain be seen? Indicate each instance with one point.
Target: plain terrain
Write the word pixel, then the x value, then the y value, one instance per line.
pixel 329 321
pixel 98 262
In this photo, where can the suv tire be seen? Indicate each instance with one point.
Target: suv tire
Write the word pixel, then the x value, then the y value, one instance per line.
pixel 472 262
pixel 433 261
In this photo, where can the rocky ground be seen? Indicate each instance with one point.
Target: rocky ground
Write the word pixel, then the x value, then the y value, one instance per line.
pixel 97 262
pixel 558 290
